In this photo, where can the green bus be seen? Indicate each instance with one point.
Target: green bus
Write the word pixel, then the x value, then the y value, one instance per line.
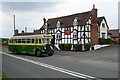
pixel 32 44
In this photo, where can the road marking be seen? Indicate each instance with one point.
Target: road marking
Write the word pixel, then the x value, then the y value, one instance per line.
pixel 73 73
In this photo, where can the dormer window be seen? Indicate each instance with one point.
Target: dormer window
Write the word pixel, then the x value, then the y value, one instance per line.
pixel 75 22
pixel 58 24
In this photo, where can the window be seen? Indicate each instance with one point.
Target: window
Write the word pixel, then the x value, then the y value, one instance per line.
pixel 75 22
pixel 48 41
pixel 59 37
pixel 39 40
pixel 58 24
pixel 32 40
pixel 103 25
pixel 103 35
pixel 19 40
pixel 23 40
pixel 13 41
pixel 75 35
pixel 28 40
pixel 44 40
pixel 36 40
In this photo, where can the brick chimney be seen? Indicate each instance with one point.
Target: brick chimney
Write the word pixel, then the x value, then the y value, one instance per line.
pixel 45 26
pixel 94 27
pixel 44 21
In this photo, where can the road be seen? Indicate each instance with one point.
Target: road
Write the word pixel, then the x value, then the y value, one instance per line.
pixel 101 63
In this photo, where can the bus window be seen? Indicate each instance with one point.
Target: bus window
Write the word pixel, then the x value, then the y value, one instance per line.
pixel 32 40
pixel 23 40
pixel 39 40
pixel 28 40
pixel 48 41
pixel 15 41
pixel 11 40
pixel 44 41
pixel 36 40
pixel 19 40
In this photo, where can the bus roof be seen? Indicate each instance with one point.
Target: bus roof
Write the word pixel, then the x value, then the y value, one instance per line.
pixel 33 36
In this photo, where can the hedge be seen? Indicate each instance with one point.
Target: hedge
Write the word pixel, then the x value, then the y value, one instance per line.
pixel 61 46
pixel 87 47
pixel 78 47
pixel 115 41
pixel 65 46
pixel 104 41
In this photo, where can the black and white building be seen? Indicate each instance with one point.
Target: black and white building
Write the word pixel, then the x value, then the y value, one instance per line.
pixel 77 28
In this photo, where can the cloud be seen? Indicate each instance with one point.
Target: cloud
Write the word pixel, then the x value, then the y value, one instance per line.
pixel 27 6
pixel 31 14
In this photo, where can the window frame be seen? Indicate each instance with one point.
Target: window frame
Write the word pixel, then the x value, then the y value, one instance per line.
pixel 59 36
pixel 75 35
pixel 103 25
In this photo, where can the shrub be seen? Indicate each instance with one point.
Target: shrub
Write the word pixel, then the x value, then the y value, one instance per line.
pixel 115 41
pixel 61 46
pixel 78 47
pixel 104 41
pixel 67 46
pixel 87 47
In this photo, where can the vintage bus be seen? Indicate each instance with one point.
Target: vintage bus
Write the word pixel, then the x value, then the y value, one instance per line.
pixel 32 44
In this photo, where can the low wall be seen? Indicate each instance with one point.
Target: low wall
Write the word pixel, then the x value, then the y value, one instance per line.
pixel 100 46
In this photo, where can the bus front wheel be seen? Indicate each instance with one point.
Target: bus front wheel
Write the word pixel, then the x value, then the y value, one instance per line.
pixel 50 54
pixel 38 53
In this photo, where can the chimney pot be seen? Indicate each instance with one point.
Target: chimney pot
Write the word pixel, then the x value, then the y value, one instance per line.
pixel 44 20
pixel 93 6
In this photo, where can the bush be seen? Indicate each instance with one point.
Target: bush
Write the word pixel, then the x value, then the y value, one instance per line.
pixel 78 47
pixel 115 41
pixel 87 47
pixel 61 46
pixel 67 46
pixel 104 41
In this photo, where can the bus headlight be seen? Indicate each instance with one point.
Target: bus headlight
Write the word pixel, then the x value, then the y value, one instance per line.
pixel 44 47
pixel 51 47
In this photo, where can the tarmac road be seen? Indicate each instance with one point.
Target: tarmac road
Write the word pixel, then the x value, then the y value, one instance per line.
pixel 101 63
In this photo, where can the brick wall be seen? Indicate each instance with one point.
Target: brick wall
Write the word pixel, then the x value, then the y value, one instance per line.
pixel 94 28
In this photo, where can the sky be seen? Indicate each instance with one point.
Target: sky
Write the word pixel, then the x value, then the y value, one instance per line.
pixel 30 14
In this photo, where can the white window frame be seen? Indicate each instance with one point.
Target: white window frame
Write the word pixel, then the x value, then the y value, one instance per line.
pixel 58 24
pixel 75 22
pixel 75 35
pixel 103 25
pixel 59 36
pixel 103 35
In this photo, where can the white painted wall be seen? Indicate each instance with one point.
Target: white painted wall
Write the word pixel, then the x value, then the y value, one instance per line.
pixel 100 46
pixel 103 29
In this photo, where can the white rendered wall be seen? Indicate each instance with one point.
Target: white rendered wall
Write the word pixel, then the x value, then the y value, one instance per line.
pixel 103 29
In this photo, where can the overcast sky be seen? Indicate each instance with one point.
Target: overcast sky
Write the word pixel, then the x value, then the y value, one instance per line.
pixel 31 14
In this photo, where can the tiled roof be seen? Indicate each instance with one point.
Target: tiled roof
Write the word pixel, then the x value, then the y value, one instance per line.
pixel 68 20
pixel 99 20
pixel 21 34
pixel 114 32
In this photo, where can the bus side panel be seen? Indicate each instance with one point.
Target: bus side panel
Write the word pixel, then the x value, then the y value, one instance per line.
pixel 30 48
pixel 13 48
